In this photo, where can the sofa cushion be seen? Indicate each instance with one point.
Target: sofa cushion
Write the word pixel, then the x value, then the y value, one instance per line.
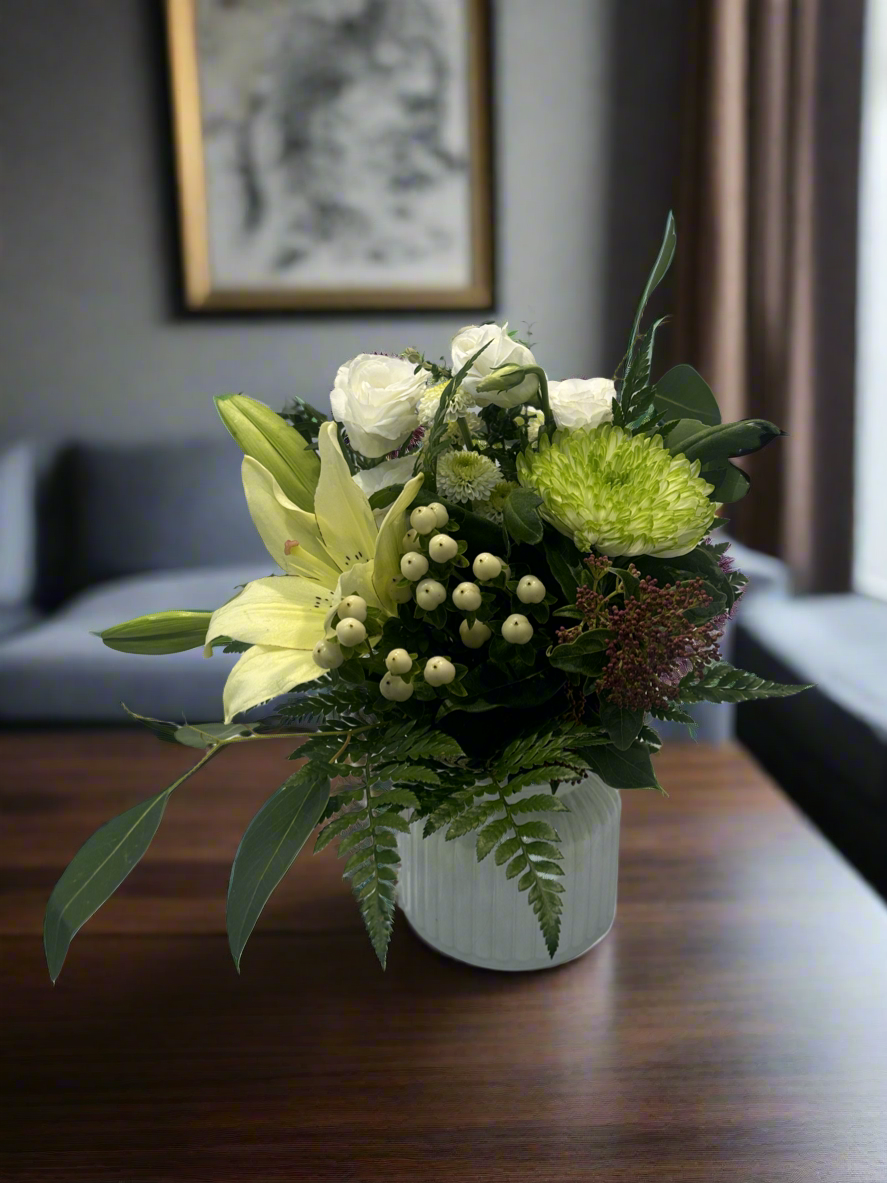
pixel 826 747
pixel 156 507
pixel 57 671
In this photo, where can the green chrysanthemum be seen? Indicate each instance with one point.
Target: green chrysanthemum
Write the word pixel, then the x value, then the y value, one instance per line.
pixel 622 494
pixel 467 476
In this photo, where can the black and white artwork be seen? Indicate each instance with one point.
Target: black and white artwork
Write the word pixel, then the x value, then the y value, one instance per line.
pixel 340 147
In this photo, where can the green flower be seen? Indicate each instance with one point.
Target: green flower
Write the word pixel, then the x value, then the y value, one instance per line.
pixel 467 476
pixel 622 494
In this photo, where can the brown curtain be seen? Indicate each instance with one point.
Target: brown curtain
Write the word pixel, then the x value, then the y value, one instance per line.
pixel 767 259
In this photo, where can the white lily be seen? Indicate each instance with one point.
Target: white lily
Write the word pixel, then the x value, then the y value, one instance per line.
pixel 335 552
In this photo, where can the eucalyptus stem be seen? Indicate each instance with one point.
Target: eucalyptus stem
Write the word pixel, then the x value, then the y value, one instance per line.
pixel 550 425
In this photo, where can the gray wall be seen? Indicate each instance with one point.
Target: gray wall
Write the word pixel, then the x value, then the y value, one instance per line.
pixel 587 137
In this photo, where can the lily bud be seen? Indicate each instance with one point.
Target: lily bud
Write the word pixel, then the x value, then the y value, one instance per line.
pixel 261 433
pixel 158 632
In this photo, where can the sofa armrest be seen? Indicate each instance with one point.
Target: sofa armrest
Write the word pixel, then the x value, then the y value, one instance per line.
pixel 19 472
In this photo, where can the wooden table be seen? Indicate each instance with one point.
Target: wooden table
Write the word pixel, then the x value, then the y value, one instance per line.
pixel 731 1027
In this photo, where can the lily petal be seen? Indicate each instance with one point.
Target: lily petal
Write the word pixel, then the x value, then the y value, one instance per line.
pixel 386 570
pixel 262 673
pixel 343 512
pixel 279 521
pixel 283 610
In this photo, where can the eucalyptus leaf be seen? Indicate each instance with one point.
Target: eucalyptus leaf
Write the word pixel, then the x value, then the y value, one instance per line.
pixel 683 393
pixel 99 867
pixel 730 483
pixel 712 445
pixel 268 848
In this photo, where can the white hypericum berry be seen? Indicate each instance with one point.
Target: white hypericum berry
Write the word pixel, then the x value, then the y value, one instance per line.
pixel 423 519
pixel 474 637
pixel 430 593
pixel 395 689
pixel 353 606
pixel 400 593
pixel 399 661
pixel 486 566
pixel 327 655
pixel 442 548
pixel 413 565
pixel 351 631
pixel 467 597
pixel 409 540
pixel 439 671
pixel 441 517
pixel 517 629
pixel 531 590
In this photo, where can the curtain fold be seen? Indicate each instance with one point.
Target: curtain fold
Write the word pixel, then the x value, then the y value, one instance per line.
pixel 767 259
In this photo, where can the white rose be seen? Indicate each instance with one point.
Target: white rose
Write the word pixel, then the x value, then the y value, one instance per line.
pixel 375 399
pixel 499 352
pixel 582 402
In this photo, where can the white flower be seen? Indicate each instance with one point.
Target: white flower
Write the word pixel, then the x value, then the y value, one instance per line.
pixel 500 351
pixel 460 404
pixel 582 402
pixel 390 472
pixel 535 423
pixel 467 476
pixel 375 398
pixel 336 553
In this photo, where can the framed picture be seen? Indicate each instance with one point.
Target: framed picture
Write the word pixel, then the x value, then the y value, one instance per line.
pixel 332 154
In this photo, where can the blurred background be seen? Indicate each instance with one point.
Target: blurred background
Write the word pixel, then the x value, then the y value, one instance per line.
pixel 762 123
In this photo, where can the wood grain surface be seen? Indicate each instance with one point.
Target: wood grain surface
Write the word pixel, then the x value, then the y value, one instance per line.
pixel 733 1026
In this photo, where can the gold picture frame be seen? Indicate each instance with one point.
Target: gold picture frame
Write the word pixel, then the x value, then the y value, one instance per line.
pixel 213 286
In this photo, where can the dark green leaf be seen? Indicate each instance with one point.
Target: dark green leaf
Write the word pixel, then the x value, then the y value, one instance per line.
pixel 507 849
pixel 631 769
pixel 98 868
pixel 660 267
pixel 714 445
pixel 586 655
pixel 622 725
pixel 272 840
pixel 683 393
pixel 490 835
pixel 521 515
pixel 730 483
pixel 516 865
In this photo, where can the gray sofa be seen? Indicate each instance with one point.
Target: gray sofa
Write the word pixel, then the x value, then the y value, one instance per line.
pixel 91 535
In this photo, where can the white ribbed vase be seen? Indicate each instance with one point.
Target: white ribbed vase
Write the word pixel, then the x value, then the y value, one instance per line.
pixel 470 911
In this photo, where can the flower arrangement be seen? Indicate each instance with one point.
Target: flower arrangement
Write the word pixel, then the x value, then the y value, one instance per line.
pixel 490 580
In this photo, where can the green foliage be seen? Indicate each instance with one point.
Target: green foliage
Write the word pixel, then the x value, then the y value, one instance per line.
pixel 660 267
pixel 522 517
pixel 435 442
pixel 722 682
pixel 634 408
pixel 623 726
pixel 713 445
pixel 683 393
pixel 193 735
pixel 268 848
pixel 628 769
pixel 586 655
pixel 99 867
